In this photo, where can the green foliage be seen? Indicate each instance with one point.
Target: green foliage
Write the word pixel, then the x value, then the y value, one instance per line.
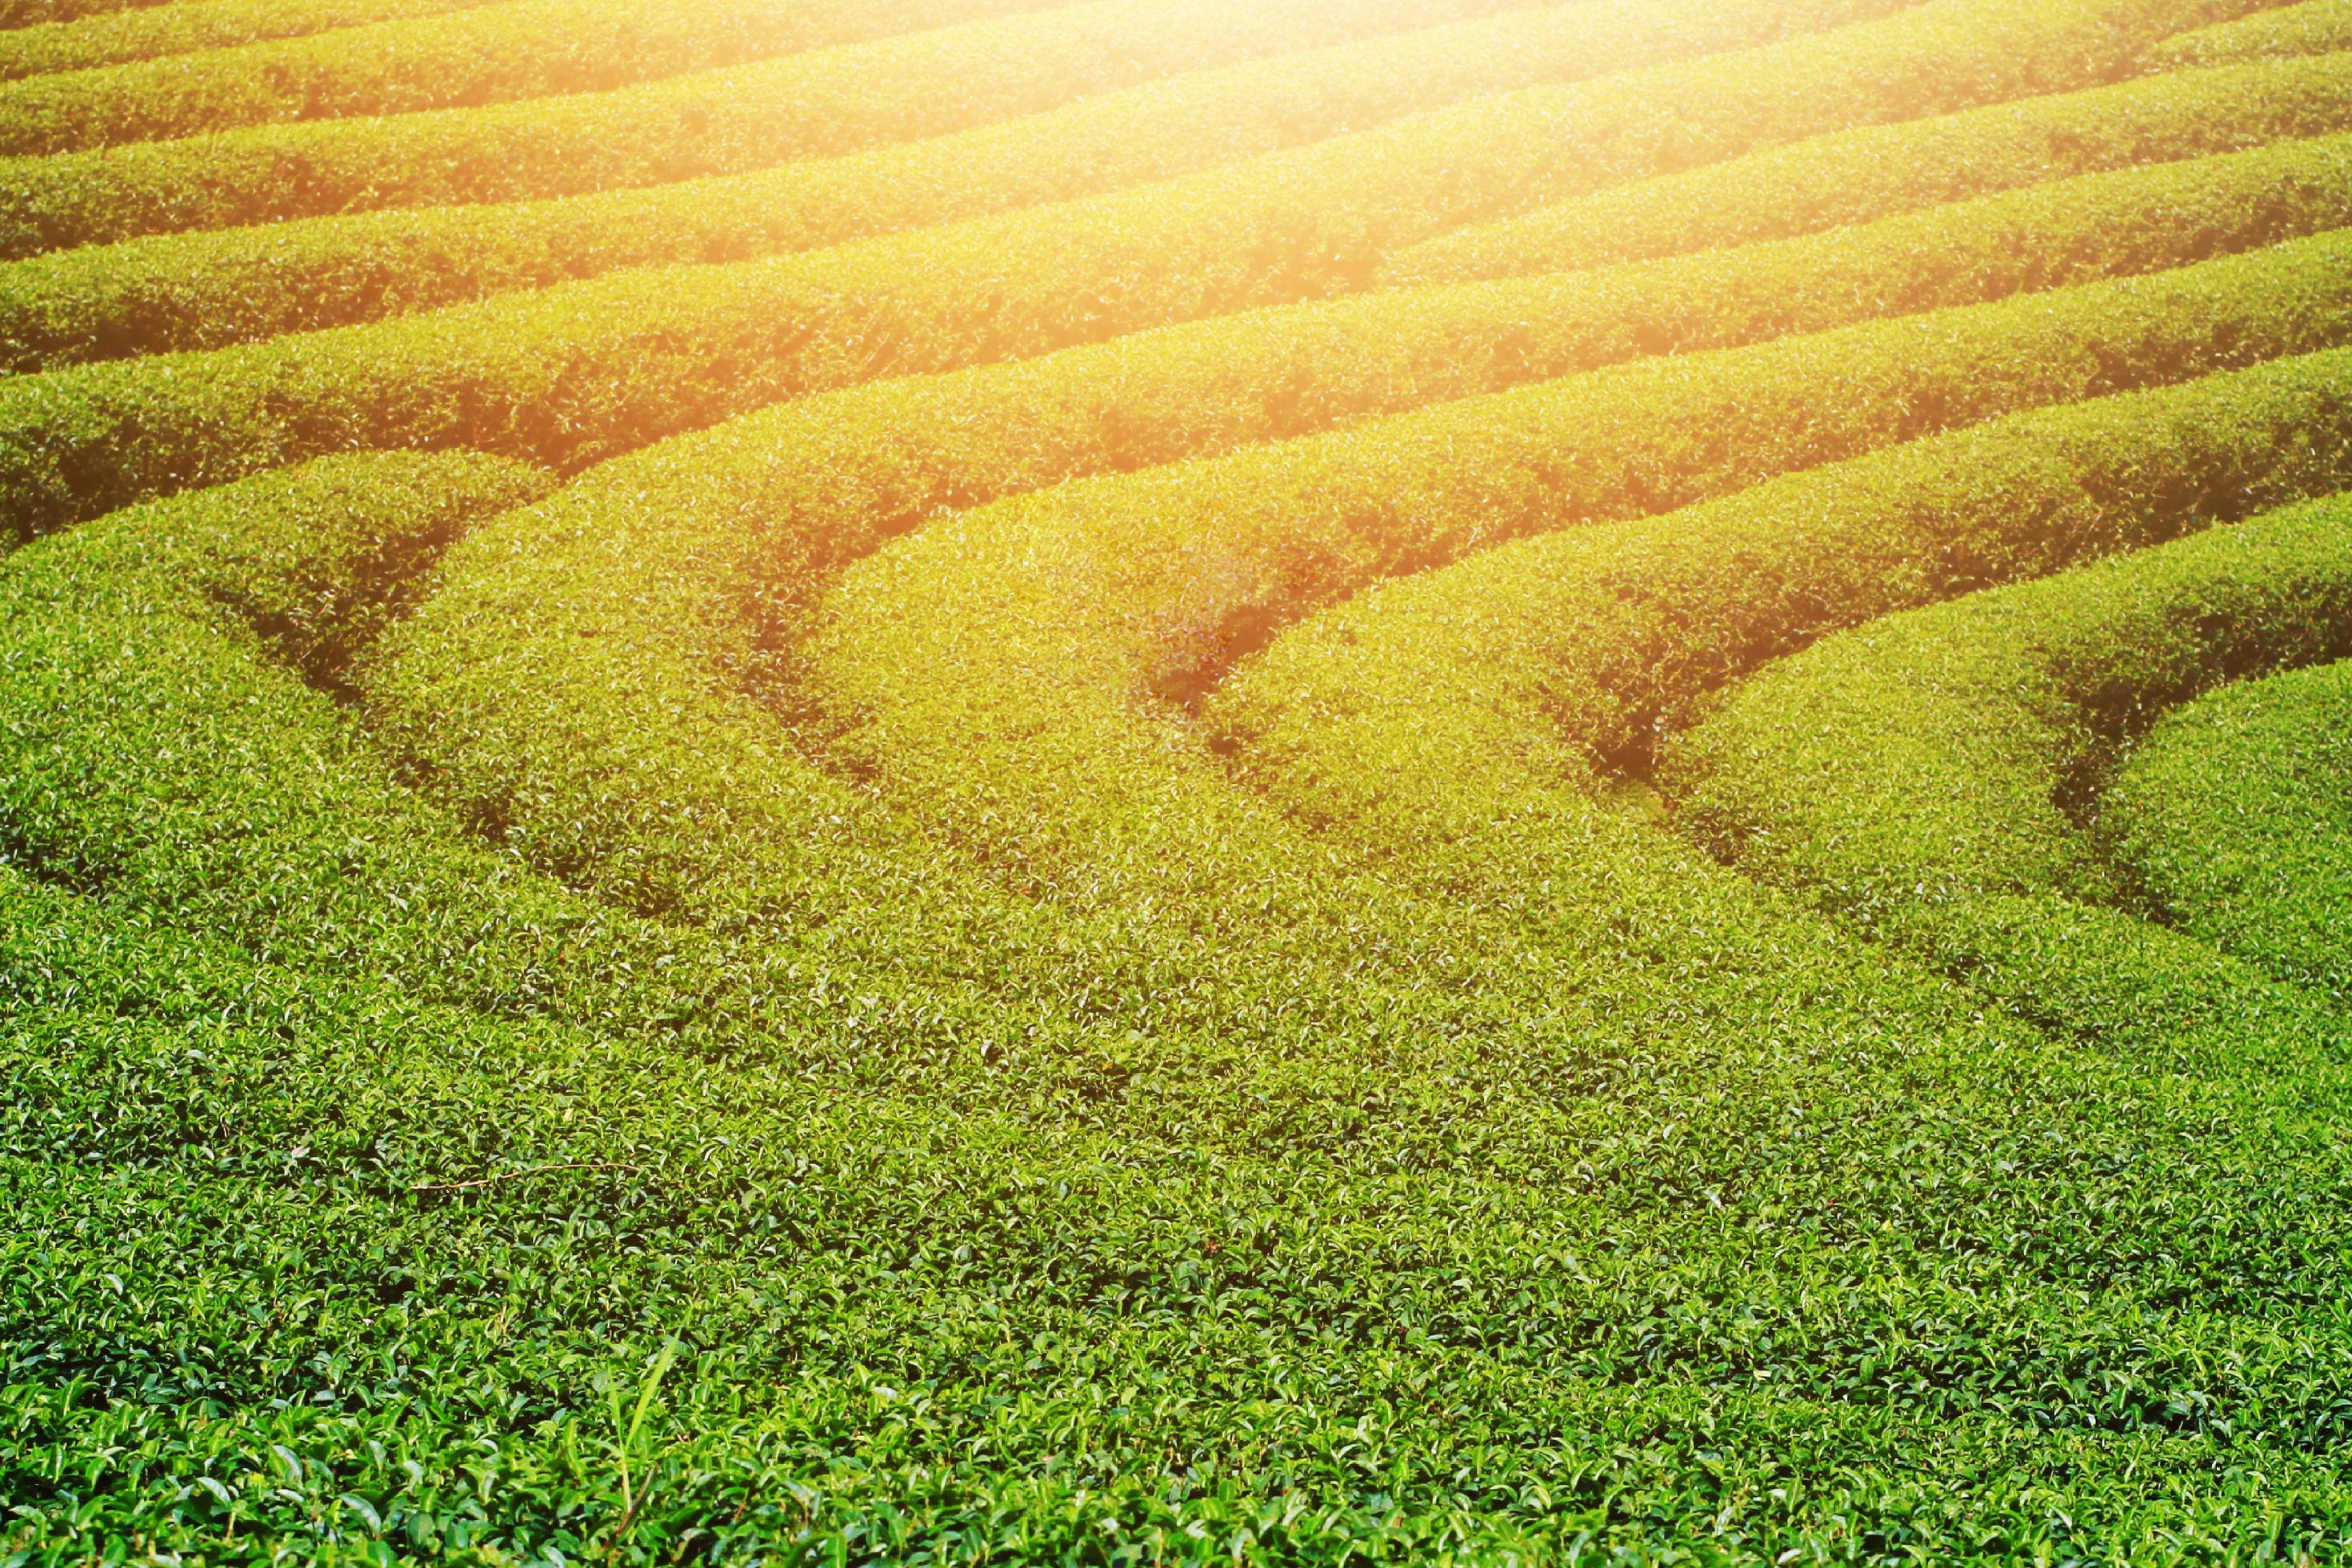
pixel 176 741
pixel 940 649
pixel 1976 740
pixel 2313 26
pixel 208 290
pixel 1855 177
pixel 2235 816
pixel 759 115
pixel 1934 775
pixel 1166 1270
pixel 1554 666
pixel 481 54
pixel 146 33
pixel 745 118
pixel 30 12
pixel 561 645
pixel 1082 956
pixel 132 639
pixel 862 1283
pixel 574 374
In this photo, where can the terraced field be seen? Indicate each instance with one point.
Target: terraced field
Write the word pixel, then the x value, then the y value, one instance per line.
pixel 1536 782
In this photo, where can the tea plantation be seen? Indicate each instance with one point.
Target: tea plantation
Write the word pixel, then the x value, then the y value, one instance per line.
pixel 1148 782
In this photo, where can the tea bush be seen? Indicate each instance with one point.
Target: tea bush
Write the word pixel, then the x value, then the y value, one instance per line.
pixel 2233 816
pixel 568 637
pixel 1855 177
pixel 212 288
pixel 820 103
pixel 2311 28
pixel 111 38
pixel 1049 744
pixel 1556 664
pixel 456 58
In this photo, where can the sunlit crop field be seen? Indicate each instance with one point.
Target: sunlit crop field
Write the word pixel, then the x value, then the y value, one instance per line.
pixel 1134 781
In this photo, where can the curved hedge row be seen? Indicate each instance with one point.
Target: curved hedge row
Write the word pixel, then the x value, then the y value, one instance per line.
pixel 213 288
pixel 174 722
pixel 1544 670
pixel 972 1272
pixel 998 671
pixel 560 682
pixel 30 12
pixel 185 25
pixel 525 49
pixel 1927 775
pixel 748 117
pixel 239 1078
pixel 2235 816
pixel 198 620
pixel 2314 27
pixel 455 979
pixel 163 755
pixel 1459 727
pixel 575 374
pixel 742 119
pixel 172 749
pixel 1463 726
pixel 174 743
pixel 1137 1209
pixel 1954 752
pixel 641 602
pixel 1857 176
